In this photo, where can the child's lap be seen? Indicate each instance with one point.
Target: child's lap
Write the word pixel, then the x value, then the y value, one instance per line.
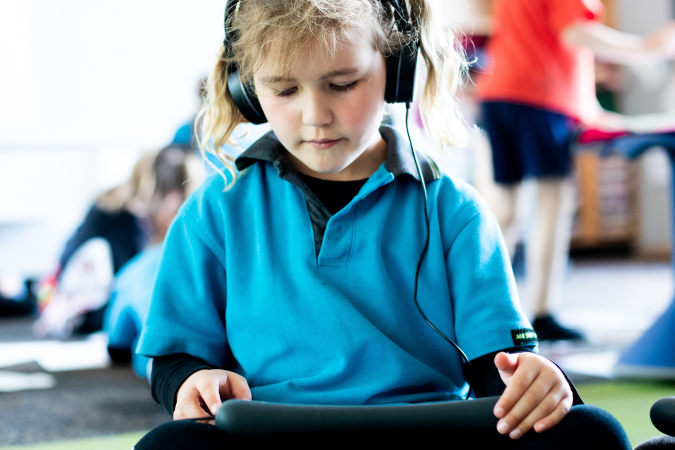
pixel 585 427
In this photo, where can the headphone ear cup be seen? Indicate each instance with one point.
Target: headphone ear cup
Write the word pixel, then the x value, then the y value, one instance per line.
pixel 244 98
pixel 401 73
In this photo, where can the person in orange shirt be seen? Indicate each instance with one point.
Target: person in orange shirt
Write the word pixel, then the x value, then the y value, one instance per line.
pixel 539 85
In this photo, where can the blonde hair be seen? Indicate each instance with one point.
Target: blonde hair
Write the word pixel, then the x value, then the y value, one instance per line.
pixel 286 28
pixel 134 194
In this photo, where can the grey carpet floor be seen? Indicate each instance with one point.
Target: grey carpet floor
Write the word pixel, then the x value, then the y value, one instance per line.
pixel 83 403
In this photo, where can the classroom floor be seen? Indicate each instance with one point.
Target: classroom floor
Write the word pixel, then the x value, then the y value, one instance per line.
pixel 612 301
pixel 81 403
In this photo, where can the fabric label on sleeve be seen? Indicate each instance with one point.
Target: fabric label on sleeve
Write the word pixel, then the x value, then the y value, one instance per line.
pixel 524 336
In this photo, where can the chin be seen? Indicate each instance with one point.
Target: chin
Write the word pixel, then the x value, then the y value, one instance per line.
pixel 327 170
pixel 327 167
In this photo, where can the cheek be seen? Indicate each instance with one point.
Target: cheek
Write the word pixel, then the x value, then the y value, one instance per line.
pixel 366 108
pixel 365 111
pixel 277 115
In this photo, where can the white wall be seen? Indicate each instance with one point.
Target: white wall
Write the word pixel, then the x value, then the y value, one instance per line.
pixel 469 16
pixel 85 86
pixel 90 72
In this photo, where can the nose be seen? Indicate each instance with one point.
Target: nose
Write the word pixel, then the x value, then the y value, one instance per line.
pixel 316 111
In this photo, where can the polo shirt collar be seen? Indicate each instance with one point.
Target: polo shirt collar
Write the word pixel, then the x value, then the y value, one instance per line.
pixel 399 157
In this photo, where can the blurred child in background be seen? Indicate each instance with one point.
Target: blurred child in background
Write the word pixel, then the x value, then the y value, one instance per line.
pixel 177 174
pixel 539 85
pixel 73 299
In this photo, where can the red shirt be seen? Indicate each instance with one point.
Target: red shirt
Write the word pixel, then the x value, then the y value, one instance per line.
pixel 530 63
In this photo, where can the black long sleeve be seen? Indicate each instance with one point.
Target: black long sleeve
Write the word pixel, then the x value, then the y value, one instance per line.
pixel 168 375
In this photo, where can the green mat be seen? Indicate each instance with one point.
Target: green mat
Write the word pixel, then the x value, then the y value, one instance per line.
pixel 628 401
pixel 116 442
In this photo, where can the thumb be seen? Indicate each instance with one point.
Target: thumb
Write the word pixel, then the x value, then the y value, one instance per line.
pixel 506 363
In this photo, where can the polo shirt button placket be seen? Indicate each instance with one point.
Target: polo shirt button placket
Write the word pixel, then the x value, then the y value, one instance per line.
pixel 335 248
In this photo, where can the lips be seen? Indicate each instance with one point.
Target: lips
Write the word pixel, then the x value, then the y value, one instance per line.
pixel 323 143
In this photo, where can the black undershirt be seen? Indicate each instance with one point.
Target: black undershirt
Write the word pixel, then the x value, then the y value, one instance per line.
pixel 335 195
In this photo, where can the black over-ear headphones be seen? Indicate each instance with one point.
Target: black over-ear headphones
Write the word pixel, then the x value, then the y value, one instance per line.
pixel 400 67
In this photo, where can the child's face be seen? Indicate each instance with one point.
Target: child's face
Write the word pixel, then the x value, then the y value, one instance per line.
pixel 327 113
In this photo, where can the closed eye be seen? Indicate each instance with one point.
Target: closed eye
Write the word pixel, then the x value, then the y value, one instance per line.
pixel 286 93
pixel 343 87
pixel 335 87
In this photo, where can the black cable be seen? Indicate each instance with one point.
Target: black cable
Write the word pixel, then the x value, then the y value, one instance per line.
pixel 466 365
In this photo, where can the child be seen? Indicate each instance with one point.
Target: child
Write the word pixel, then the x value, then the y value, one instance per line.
pixel 539 84
pixel 177 172
pixel 292 280
pixel 75 297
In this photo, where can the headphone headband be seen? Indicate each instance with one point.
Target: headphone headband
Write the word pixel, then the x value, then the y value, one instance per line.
pixel 230 8
pixel 401 16
pixel 400 67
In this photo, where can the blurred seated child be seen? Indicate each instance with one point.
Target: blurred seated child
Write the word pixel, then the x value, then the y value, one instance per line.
pixel 177 173
pixel 74 297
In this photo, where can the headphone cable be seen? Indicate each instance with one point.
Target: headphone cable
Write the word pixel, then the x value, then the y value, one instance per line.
pixel 466 365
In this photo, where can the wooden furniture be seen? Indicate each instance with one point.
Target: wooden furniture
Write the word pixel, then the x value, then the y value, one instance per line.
pixel 607 192
pixel 607 188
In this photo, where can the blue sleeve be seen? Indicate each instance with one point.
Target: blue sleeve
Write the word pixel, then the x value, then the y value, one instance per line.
pixel 120 323
pixel 483 288
pixel 187 311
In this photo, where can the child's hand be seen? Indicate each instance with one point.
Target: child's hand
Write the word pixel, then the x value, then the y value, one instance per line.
pixel 203 390
pixel 537 394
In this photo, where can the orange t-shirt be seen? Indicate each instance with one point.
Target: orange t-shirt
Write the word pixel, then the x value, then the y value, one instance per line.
pixel 530 63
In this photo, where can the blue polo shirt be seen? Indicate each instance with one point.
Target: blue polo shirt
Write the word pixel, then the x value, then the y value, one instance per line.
pixel 317 308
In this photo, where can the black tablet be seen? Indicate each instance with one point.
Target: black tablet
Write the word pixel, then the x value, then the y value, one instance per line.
pixel 253 418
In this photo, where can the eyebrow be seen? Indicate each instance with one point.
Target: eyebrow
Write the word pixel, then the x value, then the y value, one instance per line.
pixel 331 74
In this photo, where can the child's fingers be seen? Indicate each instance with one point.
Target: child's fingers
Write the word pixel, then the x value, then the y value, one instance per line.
pixel 188 406
pixel 517 385
pixel 539 409
pixel 236 387
pixel 202 392
pixel 210 389
pixel 554 418
pixel 523 407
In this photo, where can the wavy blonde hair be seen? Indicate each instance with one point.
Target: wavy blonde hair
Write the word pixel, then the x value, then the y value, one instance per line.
pixel 134 194
pixel 289 27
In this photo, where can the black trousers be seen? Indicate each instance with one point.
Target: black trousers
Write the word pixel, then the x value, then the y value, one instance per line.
pixel 585 427
pixel 658 443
